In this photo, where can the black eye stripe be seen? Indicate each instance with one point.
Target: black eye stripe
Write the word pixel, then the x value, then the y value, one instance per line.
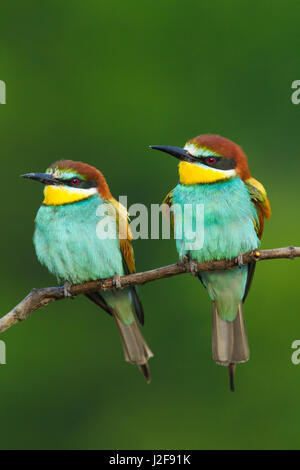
pixel 221 163
pixel 82 184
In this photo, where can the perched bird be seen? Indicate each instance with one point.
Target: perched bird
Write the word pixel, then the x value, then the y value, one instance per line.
pixel 214 171
pixel 68 243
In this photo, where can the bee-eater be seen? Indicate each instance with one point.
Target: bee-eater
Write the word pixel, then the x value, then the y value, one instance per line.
pixel 214 172
pixel 67 243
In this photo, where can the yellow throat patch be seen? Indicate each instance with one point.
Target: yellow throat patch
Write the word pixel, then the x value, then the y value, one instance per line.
pixel 194 174
pixel 58 195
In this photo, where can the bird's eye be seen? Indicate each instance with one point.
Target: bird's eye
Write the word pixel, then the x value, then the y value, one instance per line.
pixel 75 181
pixel 210 160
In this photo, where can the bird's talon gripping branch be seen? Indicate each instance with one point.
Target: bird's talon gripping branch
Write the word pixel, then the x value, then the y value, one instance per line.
pixel 116 281
pixel 239 260
pixel 67 291
pixel 193 267
pixel 183 263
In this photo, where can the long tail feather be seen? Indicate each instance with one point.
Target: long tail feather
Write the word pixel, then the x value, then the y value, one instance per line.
pixel 135 347
pixel 144 368
pixel 229 341
pixel 231 371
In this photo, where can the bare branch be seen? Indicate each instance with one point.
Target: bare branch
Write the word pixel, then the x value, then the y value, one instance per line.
pixel 39 298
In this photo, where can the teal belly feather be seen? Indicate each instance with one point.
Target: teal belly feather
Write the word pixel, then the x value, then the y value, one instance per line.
pixel 66 242
pixel 229 230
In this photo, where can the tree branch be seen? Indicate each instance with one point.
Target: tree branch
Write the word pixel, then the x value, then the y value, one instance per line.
pixel 39 298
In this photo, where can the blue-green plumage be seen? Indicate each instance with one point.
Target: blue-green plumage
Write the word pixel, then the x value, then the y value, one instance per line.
pixel 82 234
pixel 67 243
pixel 227 219
pixel 228 231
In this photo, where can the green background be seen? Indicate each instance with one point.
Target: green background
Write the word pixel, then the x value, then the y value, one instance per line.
pixel 99 81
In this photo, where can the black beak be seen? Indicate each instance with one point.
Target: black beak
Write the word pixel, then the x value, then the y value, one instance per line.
pixel 177 152
pixel 44 178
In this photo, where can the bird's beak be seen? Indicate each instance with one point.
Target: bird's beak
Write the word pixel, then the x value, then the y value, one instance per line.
pixel 177 152
pixel 44 178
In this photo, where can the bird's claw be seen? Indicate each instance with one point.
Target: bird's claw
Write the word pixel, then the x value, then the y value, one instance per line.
pixel 193 267
pixel 67 291
pixel 239 260
pixel 116 281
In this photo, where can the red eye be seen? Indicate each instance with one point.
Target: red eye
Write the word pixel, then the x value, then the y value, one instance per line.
pixel 210 160
pixel 75 181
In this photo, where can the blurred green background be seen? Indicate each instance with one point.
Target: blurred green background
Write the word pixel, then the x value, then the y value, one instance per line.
pixel 100 81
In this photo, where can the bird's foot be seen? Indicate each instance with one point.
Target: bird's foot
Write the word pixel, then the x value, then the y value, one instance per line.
pixel 193 267
pixel 116 281
pixel 67 291
pixel 239 260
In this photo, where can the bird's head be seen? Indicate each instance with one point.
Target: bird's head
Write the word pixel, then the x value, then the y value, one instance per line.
pixel 208 159
pixel 67 182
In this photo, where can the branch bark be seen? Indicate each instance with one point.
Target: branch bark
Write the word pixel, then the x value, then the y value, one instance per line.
pixel 39 298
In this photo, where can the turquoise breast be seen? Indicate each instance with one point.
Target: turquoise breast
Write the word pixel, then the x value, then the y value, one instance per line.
pixel 66 242
pixel 228 227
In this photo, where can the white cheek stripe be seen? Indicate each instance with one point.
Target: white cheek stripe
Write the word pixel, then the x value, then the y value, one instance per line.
pixel 217 170
pixel 72 190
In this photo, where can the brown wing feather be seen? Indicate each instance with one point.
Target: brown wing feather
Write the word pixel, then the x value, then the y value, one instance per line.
pixel 260 200
pixel 263 209
pixel 125 235
pixel 128 254
pixel 167 210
